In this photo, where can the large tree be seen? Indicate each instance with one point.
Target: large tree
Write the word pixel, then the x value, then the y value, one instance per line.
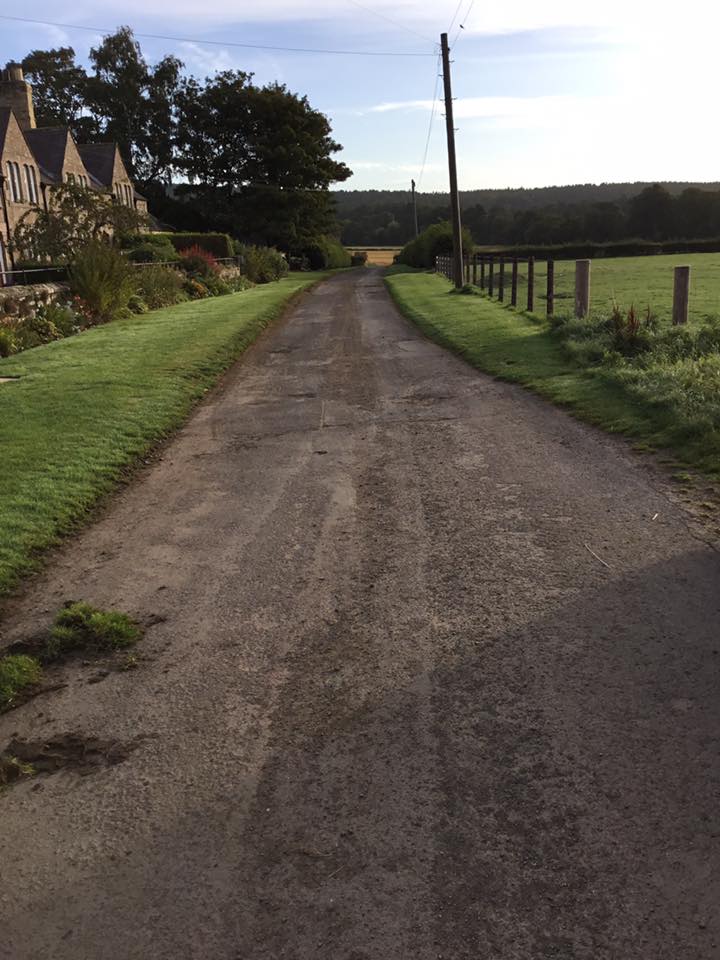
pixel 263 155
pixel 58 88
pixel 134 104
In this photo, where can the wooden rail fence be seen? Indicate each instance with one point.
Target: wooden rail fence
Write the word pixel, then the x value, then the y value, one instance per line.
pixel 488 273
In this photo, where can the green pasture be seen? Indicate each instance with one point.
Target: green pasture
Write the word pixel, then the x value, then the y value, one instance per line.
pixel 632 281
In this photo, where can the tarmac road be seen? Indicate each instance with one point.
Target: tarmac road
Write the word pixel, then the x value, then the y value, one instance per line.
pixel 431 681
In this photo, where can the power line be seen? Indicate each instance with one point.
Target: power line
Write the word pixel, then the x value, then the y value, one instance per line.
pixel 430 125
pixel 461 27
pixel 452 22
pixel 220 43
pixel 395 23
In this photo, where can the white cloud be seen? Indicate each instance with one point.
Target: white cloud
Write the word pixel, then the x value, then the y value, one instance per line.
pixel 518 112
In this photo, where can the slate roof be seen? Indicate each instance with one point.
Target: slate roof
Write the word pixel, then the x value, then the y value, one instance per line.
pixel 99 158
pixel 48 145
pixel 5 113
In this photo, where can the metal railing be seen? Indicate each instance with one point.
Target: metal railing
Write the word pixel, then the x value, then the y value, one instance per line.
pixel 25 277
pixel 14 278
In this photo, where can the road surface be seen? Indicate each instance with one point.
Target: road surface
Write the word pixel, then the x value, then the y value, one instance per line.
pixel 436 674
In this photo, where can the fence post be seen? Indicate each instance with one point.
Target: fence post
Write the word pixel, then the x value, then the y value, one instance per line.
pixel 531 284
pixel 514 283
pixel 681 295
pixel 491 277
pixel 466 271
pixel 550 287
pixel 582 288
pixel 501 280
pixel 474 273
pixel 482 273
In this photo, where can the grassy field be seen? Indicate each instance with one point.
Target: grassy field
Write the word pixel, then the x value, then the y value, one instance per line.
pixel 378 256
pixel 667 400
pixel 85 408
pixel 638 281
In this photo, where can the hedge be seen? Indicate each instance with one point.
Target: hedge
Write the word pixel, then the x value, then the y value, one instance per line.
pixel 218 244
pixel 435 241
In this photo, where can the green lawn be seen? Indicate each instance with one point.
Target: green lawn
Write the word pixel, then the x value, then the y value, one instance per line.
pixel 525 349
pixel 641 281
pixel 85 408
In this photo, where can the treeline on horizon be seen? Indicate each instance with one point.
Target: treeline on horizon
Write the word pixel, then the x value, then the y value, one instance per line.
pixel 545 216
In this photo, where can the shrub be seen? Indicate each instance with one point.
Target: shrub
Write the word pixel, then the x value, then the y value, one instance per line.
pixel 325 253
pixel 36 330
pixel 198 262
pixel 62 317
pixel 261 264
pixel 298 263
pixel 137 305
pixel 435 241
pixel 218 244
pixel 80 626
pixel 16 673
pixel 8 342
pixel 195 289
pixel 216 285
pixel 240 283
pixel 631 334
pixel 153 253
pixel 359 258
pixel 103 281
pixel 159 286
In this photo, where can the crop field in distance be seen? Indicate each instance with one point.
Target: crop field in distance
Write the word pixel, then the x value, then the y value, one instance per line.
pixel 378 256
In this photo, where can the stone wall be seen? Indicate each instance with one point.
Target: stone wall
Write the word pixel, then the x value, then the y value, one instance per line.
pixel 23 301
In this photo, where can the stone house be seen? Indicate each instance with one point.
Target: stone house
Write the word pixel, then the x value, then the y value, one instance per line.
pixel 34 160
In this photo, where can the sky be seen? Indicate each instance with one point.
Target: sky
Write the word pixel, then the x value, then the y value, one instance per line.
pixel 545 93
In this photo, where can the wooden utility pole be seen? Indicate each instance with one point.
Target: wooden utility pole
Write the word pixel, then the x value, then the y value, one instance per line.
pixel 452 163
pixel 414 203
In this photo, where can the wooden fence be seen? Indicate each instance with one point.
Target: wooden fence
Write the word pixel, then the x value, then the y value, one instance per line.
pixel 491 274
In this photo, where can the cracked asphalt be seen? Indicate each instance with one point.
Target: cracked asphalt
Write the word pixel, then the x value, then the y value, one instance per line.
pixel 434 674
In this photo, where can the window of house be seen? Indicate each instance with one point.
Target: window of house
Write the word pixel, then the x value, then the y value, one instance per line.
pixel 71 178
pixel 31 180
pixel 15 183
pixel 3 264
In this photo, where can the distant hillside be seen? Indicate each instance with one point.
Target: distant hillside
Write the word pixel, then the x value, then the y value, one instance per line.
pixel 603 212
pixel 520 198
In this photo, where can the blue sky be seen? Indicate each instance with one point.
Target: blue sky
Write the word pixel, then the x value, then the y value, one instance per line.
pixel 551 93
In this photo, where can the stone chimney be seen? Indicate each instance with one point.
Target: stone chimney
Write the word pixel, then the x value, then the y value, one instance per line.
pixel 16 93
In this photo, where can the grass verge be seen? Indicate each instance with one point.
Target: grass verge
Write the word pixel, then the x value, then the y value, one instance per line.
pixel 523 349
pixel 81 627
pixel 17 673
pixel 86 408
